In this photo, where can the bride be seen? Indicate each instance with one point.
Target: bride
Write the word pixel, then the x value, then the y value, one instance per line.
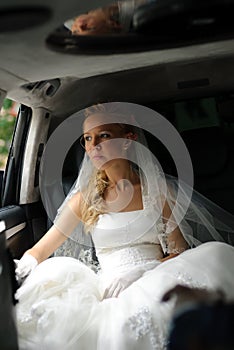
pixel 146 228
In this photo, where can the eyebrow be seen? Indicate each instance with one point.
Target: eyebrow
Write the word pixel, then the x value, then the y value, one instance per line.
pixel 104 130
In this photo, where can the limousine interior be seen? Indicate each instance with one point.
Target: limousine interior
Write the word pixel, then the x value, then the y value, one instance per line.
pixel 177 59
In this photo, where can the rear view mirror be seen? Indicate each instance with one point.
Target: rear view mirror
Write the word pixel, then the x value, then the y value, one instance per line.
pixel 140 25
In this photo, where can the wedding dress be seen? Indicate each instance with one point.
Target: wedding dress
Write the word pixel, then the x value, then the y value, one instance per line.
pixel 61 303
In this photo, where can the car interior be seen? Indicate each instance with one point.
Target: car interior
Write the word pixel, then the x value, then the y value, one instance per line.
pixel 52 74
pixel 8 287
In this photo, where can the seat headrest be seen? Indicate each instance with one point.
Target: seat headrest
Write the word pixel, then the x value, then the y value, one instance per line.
pixel 71 165
pixel 207 148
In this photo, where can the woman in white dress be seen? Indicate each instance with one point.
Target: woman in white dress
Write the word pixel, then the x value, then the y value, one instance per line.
pixel 142 233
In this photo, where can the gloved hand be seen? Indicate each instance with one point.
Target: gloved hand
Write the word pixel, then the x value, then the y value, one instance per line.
pixel 25 266
pixel 122 282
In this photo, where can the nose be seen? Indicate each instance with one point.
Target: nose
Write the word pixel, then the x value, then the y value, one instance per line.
pixel 95 144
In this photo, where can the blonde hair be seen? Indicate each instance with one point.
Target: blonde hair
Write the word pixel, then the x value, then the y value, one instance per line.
pixel 94 205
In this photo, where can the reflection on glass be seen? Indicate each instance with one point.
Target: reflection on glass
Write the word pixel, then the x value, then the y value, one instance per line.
pixel 111 19
pixel 140 25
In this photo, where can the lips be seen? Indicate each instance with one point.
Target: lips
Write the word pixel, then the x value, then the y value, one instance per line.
pixel 97 157
pixel 98 161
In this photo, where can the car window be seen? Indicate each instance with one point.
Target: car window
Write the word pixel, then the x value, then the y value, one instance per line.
pixel 197 113
pixel 8 115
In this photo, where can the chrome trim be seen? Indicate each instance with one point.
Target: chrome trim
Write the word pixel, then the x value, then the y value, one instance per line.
pixel 12 231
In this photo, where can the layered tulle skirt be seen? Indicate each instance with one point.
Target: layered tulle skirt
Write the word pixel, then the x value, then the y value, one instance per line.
pixel 61 305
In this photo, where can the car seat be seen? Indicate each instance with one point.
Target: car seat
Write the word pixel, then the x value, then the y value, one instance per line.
pixel 213 165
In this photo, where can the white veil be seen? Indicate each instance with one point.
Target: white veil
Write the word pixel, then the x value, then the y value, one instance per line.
pixel 198 218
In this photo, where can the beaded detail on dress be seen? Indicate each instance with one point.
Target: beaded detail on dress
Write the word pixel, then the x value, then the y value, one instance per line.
pixel 72 249
pixel 128 241
pixel 68 248
pixel 168 245
pixel 141 324
pixel 187 280
pixel 86 257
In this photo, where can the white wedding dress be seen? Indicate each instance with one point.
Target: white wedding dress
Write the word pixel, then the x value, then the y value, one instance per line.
pixel 61 307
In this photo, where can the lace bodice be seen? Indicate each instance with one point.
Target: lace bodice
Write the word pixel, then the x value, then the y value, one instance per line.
pixel 126 239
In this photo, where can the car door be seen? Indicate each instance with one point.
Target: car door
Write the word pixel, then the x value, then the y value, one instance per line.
pixel 19 218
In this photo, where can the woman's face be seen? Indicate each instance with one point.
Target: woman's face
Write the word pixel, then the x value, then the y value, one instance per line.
pixel 105 144
pixel 93 22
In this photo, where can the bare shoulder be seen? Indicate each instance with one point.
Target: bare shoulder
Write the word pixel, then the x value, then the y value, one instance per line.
pixel 75 203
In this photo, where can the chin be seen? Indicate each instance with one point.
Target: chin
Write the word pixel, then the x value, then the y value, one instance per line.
pixel 100 163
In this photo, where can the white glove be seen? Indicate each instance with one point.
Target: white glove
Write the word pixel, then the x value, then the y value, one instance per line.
pixel 121 282
pixel 25 266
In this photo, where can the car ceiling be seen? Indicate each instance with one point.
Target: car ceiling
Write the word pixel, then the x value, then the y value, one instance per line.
pixel 25 58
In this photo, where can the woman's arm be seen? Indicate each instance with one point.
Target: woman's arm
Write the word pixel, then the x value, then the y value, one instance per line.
pixel 58 233
pixel 175 241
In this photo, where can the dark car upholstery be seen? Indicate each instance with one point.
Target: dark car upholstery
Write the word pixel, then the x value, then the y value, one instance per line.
pixel 8 286
pixel 213 164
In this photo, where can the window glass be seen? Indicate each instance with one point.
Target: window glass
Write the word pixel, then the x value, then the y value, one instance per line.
pixel 193 114
pixel 8 115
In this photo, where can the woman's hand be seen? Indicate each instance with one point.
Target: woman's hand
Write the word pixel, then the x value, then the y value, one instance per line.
pixel 120 283
pixel 25 266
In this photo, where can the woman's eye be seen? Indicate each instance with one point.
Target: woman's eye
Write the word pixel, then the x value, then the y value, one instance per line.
pixel 105 136
pixel 87 138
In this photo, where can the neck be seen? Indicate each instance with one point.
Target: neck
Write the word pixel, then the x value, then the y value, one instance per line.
pixel 119 171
